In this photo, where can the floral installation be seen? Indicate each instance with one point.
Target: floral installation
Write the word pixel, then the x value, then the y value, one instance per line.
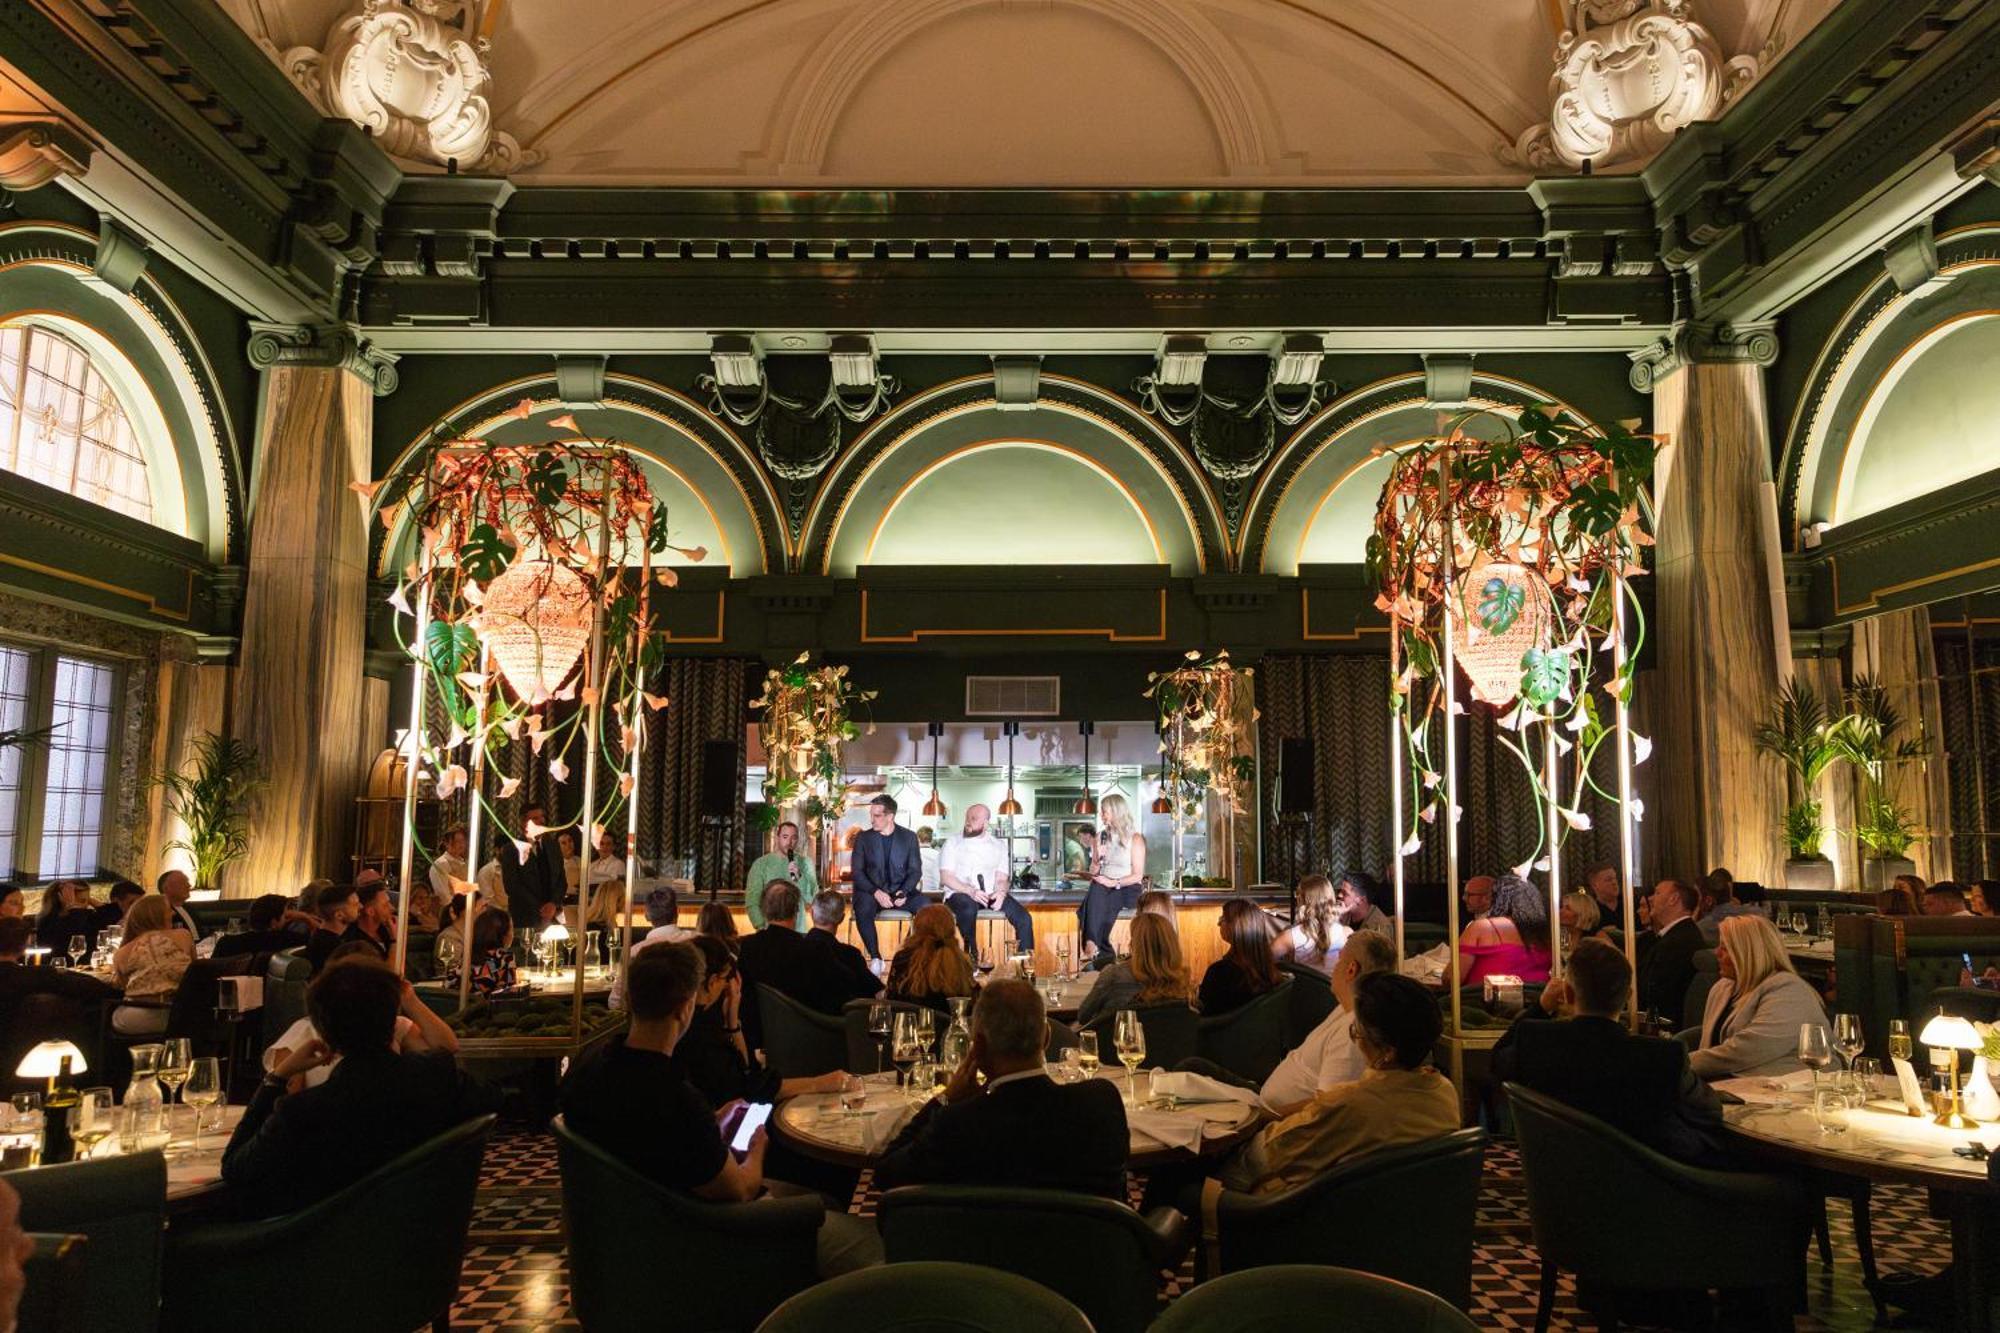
pixel 808 718
pixel 1203 711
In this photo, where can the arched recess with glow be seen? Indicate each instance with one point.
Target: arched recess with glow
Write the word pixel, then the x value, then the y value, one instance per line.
pixel 951 479
pixel 1902 401
pixel 694 464
pixel 1316 504
pixel 143 354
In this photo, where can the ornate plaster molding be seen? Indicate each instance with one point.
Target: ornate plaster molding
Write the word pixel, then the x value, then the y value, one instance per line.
pixel 1629 74
pixel 327 345
pixel 1695 342
pixel 413 74
pixel 35 152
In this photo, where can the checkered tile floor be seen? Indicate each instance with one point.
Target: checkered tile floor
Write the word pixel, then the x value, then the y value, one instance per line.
pixel 514 1275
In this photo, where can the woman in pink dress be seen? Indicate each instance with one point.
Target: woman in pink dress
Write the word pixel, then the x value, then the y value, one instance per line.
pixel 1513 939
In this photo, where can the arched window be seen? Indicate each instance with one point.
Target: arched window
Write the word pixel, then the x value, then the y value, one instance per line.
pixel 64 425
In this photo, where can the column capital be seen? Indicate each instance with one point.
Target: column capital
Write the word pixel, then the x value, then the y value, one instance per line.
pixel 1701 342
pixel 35 152
pixel 328 345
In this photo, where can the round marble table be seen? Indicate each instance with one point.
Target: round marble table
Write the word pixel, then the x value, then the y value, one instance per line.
pixel 818 1127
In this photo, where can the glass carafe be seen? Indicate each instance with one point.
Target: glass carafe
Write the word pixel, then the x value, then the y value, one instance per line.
pixel 957 1037
pixel 143 1115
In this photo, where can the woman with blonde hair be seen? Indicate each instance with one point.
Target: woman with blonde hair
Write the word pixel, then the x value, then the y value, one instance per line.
pixel 1581 918
pixel 1115 876
pixel 149 966
pixel 1751 1022
pixel 1156 973
pixel 1314 938
pixel 931 967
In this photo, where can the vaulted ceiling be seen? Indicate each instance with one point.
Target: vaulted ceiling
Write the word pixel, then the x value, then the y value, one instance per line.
pixel 1119 93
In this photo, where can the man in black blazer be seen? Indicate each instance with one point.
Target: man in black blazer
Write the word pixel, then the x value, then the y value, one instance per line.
pixel 1591 1061
pixel 888 864
pixel 294 1149
pixel 1666 966
pixel 537 886
pixel 780 957
pixel 1024 1129
pixel 842 974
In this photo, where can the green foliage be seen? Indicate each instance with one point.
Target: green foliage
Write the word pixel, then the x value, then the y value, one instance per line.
pixel 547 478
pixel 1595 509
pixel 1500 605
pixel 1799 733
pixel 485 553
pixel 1867 737
pixel 1544 675
pixel 1803 828
pixel 212 798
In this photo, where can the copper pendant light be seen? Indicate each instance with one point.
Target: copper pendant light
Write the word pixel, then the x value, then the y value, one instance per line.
pixel 1010 806
pixel 1086 804
pixel 934 808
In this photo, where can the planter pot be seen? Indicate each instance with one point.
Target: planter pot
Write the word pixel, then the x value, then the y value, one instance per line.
pixel 1812 873
pixel 1880 872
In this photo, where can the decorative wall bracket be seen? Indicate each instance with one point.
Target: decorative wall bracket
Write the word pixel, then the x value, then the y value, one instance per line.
pixel 35 152
pixel 323 345
pixel 1696 342
pixel 1629 74
pixel 1232 437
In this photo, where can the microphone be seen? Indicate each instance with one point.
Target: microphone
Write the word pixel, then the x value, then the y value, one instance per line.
pixel 981 881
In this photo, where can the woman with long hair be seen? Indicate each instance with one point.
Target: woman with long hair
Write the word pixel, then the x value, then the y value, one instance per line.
pixel 492 952
pixel 149 965
pixel 1156 973
pixel 1246 968
pixel 1750 1024
pixel 65 912
pixel 1115 877
pixel 1314 938
pixel 931 967
pixel 1514 938
pixel 714 920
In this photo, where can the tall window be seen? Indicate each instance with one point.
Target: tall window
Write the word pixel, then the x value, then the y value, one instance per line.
pixel 52 793
pixel 62 425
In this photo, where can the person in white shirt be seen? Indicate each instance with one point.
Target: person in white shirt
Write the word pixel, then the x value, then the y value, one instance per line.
pixel 418 1026
pixel 663 912
pixel 448 867
pixel 492 884
pixel 175 887
pixel 1328 1056
pixel 929 859
pixel 974 874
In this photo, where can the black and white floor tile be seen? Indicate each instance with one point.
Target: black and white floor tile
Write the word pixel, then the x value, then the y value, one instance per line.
pixel 515 1276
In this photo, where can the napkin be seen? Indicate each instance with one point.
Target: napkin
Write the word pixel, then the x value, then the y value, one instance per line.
pixel 1186 1128
pixel 879 1127
pixel 1759 1091
pixel 1197 1088
pixel 1428 966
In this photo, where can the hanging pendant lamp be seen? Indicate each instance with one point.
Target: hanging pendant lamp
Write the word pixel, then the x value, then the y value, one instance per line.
pixel 535 620
pixel 934 808
pixel 1086 804
pixel 1010 806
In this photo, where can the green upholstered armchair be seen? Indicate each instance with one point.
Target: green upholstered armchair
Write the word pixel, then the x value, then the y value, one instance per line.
pixel 55 1293
pixel 799 1042
pixel 412 1213
pixel 917 1296
pixel 1403 1213
pixel 285 982
pixel 746 1257
pixel 119 1205
pixel 1250 1041
pixel 1270 1300
pixel 1592 1190
pixel 1097 1253
pixel 1172 1034
pixel 1311 996
pixel 1888 967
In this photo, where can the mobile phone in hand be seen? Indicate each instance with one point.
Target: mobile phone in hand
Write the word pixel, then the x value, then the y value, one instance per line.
pixel 747 1125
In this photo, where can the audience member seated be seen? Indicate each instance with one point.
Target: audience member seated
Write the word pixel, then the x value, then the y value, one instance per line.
pixel 149 965
pixel 123 894
pixel 663 916
pixel 12 901
pixel 18 979
pixel 1160 903
pixel 1397 1100
pixel 1946 898
pixel 269 919
pixel 1589 1059
pixel 426 908
pixel 1314 938
pixel 1751 1023
pixel 418 1026
pixel 374 921
pixel 1154 974
pixel 1246 968
pixel 1975 901
pixel 780 957
pixel 1717 894
pixel 1666 954
pixel 451 865
pixel 1582 919
pixel 633 1100
pixel 1328 1057
pixel 1601 881
pixel 714 919
pixel 843 967
pixel 66 912
pixel 1478 897
pixel 1513 940
pixel 1022 1129
pixel 931 967
pixel 292 1149
pixel 713 1052
pixel 492 952
pixel 176 887
pixel 1359 892
pixel 1900 898
pixel 339 906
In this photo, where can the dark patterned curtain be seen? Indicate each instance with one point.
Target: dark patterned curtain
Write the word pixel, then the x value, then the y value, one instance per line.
pixel 708 701
pixel 1969 705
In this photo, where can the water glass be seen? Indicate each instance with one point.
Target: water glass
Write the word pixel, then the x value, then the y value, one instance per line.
pixel 853 1094
pixel 918 1089
pixel 1830 1111
pixel 1868 1081
pixel 92 1120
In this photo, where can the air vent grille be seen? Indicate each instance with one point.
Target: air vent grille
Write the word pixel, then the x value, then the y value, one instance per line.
pixel 1013 696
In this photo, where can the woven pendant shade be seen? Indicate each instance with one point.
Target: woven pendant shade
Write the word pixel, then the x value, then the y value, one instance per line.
pixel 1492 661
pixel 536 623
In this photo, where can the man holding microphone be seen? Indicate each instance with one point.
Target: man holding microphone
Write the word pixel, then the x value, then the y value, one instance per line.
pixel 974 874
pixel 782 862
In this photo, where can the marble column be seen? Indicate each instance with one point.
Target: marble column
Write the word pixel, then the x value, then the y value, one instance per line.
pixel 191 698
pixel 1719 633
pixel 299 693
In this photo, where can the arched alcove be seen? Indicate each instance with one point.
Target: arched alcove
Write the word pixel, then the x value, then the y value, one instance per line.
pixel 1933 420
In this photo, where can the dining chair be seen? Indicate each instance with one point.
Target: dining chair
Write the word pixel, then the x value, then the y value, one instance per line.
pixel 866 1053
pixel 1312 1002
pixel 1043 1235
pixel 55 1287
pixel 750 1256
pixel 1249 1041
pixel 915 1296
pixel 799 1042
pixel 119 1206
pixel 1271 1300
pixel 1404 1213
pixel 412 1213
pixel 1172 1034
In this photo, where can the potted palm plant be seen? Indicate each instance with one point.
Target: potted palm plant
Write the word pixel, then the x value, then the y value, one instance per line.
pixel 212 798
pixel 1866 736
pixel 1799 734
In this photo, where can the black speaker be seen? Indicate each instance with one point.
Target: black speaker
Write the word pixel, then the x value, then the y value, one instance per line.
pixel 1295 776
pixel 721 794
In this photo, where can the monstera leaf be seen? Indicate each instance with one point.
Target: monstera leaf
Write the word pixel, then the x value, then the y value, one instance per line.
pixel 548 479
pixel 450 649
pixel 1545 674
pixel 1500 604
pixel 485 553
pixel 1596 509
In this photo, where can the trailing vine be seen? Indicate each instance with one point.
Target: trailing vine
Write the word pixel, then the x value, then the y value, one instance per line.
pixel 808 718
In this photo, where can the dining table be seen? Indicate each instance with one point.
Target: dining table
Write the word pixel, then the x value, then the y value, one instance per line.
pixel 1883 1141
pixel 194 1170
pixel 1163 1131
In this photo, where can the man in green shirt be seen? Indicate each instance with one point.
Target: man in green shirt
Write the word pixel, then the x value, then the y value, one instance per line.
pixel 782 862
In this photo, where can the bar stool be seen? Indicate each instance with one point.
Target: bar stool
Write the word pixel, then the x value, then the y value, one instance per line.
pixel 891 916
pixel 1121 932
pixel 987 925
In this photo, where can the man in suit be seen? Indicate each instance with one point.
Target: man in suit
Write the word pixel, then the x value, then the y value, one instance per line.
pixel 535 887
pixel 780 957
pixel 888 864
pixel 842 973
pixel 294 1149
pixel 1589 1060
pixel 1023 1129
pixel 175 887
pixel 1666 966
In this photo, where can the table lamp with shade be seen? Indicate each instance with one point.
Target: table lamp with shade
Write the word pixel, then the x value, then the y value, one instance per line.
pixel 1948 1032
pixel 554 935
pixel 58 1062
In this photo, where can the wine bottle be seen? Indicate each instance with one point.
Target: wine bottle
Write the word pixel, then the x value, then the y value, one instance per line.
pixel 57 1146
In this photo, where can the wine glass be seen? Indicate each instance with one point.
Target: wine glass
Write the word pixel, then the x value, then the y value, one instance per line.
pixel 92 1120
pixel 1062 957
pixel 1847 1038
pixel 880 1014
pixel 906 1042
pixel 926 1020
pixel 1798 923
pixel 1128 1036
pixel 1815 1049
pixel 176 1054
pixel 1086 1053
pixel 1900 1045
pixel 1867 1081
pixel 78 947
pixel 204 1089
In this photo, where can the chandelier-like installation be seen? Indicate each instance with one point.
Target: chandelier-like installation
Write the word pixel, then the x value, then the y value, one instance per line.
pixel 535 623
